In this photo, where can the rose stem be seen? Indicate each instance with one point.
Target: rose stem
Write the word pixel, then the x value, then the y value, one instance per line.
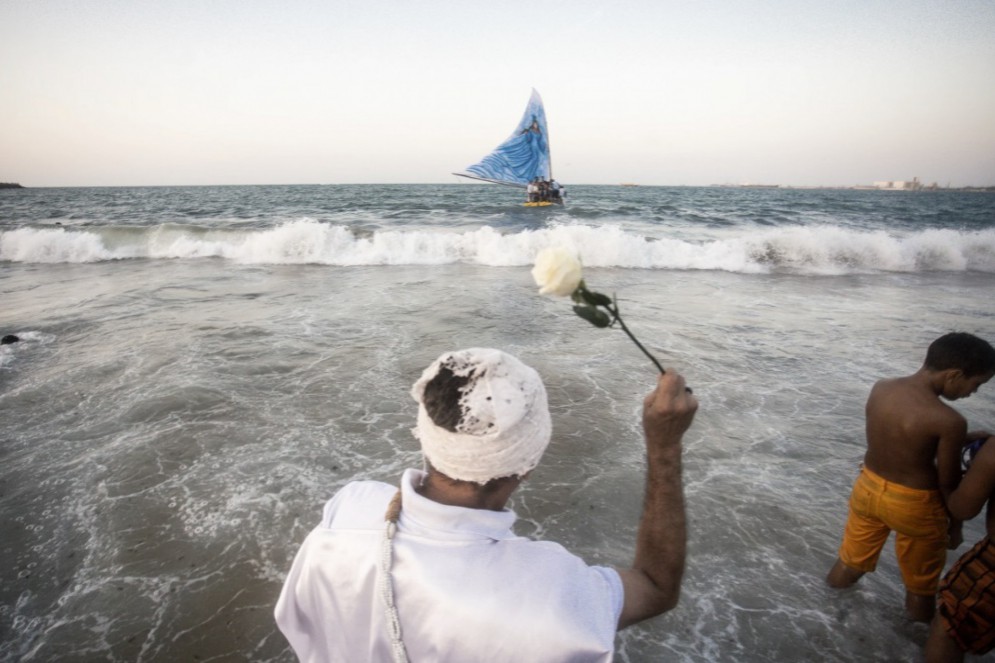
pixel 639 345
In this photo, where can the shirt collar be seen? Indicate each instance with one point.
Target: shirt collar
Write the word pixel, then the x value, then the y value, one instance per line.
pixel 420 515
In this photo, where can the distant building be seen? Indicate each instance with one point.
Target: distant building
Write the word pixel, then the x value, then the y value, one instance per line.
pixel 899 185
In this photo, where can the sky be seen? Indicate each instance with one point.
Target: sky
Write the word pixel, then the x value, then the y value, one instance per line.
pixel 795 93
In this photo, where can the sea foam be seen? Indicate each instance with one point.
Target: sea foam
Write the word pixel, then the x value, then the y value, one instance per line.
pixel 824 249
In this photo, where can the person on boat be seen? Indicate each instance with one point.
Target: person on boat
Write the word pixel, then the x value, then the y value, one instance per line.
pixel 433 572
pixel 557 192
pixel 543 191
pixel 533 190
pixel 965 615
pixel 912 466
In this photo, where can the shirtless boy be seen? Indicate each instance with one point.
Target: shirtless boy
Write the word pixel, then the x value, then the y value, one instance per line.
pixel 911 467
pixel 965 618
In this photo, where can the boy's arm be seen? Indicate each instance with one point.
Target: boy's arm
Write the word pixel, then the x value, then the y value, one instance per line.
pixel 952 437
pixel 948 452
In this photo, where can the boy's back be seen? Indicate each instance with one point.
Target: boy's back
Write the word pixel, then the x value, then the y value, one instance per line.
pixel 908 426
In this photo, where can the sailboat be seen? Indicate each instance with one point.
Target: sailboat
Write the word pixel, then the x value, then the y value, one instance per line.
pixel 523 159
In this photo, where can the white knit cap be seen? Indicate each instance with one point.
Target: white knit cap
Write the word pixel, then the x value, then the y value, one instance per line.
pixel 504 425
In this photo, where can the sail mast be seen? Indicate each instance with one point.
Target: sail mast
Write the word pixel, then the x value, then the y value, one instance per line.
pixel 549 144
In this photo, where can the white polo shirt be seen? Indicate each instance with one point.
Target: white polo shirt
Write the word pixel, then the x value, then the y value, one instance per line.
pixel 466 588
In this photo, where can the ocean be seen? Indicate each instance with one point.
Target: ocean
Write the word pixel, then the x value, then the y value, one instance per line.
pixel 201 368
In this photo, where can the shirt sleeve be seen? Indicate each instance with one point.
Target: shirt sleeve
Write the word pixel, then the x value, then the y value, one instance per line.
pixel 300 603
pixel 292 608
pixel 615 589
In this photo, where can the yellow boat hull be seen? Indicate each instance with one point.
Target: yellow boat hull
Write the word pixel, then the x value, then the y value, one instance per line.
pixel 544 203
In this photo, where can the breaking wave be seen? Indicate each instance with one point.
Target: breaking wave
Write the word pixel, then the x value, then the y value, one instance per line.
pixel 804 249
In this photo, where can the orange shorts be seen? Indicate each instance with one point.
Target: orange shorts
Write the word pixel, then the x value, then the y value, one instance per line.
pixel 920 522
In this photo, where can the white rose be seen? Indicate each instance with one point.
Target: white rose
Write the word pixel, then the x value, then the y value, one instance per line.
pixel 557 272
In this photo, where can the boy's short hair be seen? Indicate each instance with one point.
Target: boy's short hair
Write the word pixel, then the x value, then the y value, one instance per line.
pixel 960 350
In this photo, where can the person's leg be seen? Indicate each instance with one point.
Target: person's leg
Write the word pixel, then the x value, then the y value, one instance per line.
pixel 842 576
pixel 940 647
pixel 921 549
pixel 920 607
pixel 863 537
pixel 921 562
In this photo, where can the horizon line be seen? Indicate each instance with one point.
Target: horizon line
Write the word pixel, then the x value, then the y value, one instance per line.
pixel 860 187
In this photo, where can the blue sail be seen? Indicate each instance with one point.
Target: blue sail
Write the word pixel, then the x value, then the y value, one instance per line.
pixel 524 156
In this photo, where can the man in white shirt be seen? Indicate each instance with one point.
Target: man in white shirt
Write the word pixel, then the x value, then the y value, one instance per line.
pixel 533 190
pixel 433 571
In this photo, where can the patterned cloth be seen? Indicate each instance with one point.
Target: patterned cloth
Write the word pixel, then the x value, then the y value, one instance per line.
pixel 967 599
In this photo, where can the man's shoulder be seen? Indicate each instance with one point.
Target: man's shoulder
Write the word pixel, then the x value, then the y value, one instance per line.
pixel 358 505
pixel 550 557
